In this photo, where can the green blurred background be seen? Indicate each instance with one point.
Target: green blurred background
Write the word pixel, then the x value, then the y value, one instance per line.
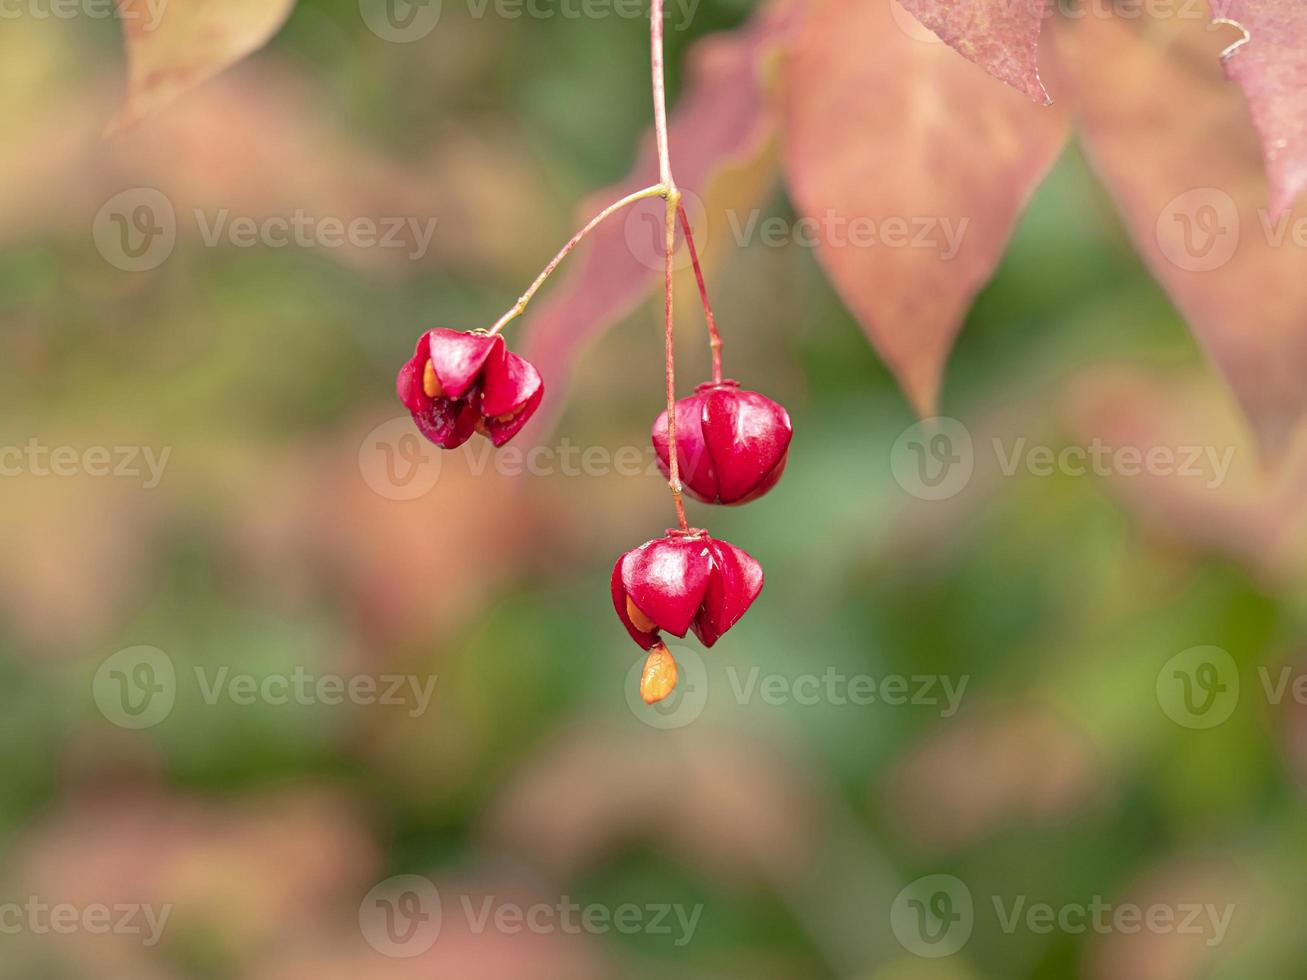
pixel 1068 769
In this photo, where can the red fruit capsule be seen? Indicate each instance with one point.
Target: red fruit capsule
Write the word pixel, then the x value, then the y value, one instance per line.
pixel 459 383
pixel 682 581
pixel 731 444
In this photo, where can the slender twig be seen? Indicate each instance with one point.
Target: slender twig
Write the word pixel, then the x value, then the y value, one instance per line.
pixel 656 190
pixel 714 338
pixel 673 197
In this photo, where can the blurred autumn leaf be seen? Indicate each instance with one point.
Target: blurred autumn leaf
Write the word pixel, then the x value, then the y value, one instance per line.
pixel 886 136
pixel 175 46
pixel 1267 61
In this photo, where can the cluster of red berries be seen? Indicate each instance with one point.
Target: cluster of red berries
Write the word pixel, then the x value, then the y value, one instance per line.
pixel 731 448
pixel 731 444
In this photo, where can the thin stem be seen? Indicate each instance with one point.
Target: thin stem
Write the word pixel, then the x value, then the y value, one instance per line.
pixel 655 190
pixel 673 461
pixel 673 197
pixel 714 338
pixel 660 94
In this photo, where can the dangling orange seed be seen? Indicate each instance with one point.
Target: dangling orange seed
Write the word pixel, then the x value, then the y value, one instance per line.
pixel 659 677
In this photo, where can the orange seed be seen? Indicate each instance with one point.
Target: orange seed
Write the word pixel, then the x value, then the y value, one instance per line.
pixel 638 619
pixel 659 677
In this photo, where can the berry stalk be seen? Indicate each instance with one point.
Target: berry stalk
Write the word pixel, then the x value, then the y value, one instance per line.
pixel 673 198
pixel 518 308
pixel 714 338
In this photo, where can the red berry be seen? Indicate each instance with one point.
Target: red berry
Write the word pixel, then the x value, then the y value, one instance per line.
pixel 731 444
pixel 460 383
pixel 684 580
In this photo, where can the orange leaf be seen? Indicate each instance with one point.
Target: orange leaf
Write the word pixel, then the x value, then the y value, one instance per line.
pixel 1172 141
pixel 915 171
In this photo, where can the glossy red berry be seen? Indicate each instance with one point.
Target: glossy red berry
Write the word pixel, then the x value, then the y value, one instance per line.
pixel 682 581
pixel 731 444
pixel 459 383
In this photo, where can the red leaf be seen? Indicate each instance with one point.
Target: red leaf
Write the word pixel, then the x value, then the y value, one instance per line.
pixel 1172 141
pixel 897 139
pixel 722 119
pixel 1270 65
pixel 1001 36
